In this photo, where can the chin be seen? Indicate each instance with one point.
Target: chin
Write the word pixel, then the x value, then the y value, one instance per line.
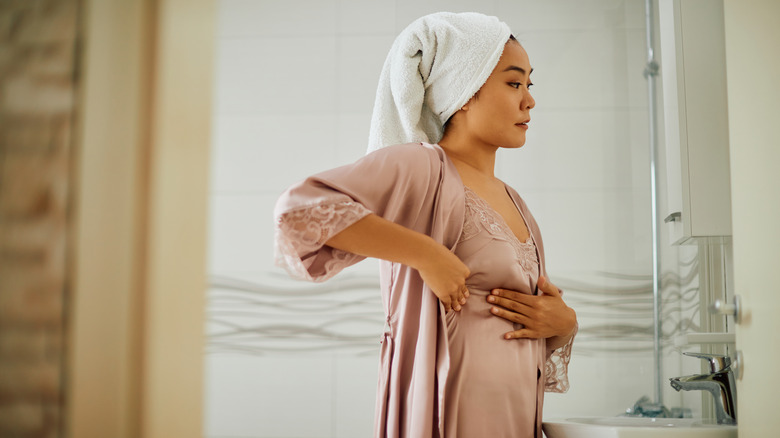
pixel 513 144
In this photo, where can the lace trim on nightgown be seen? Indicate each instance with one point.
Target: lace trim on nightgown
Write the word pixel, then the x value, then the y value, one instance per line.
pixel 556 368
pixel 478 211
pixel 304 230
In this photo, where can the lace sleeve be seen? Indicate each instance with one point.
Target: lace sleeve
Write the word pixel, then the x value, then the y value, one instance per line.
pixel 556 369
pixel 301 233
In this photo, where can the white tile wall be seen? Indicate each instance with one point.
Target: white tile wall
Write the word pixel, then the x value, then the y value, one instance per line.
pixel 565 15
pixel 254 18
pixel 295 84
pixel 582 149
pixel 352 136
pixel 597 230
pixel 360 60
pixel 409 10
pixel 239 237
pixel 276 74
pixel 274 396
pixel 366 17
pixel 354 413
pixel 250 150
pixel 602 386
pixel 586 68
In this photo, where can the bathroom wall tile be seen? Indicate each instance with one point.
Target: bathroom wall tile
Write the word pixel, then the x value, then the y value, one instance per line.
pixel 578 148
pixel 248 256
pixel 636 59
pixel 634 13
pixel 275 75
pixel 267 153
pixel 241 18
pixel 639 146
pixel 409 10
pixel 565 15
pixel 593 230
pixel 241 236
pixel 368 267
pixel 355 394
pixel 241 232
pixel 360 61
pixel 352 136
pixel 586 68
pixel 604 385
pixel 366 17
pixel 265 396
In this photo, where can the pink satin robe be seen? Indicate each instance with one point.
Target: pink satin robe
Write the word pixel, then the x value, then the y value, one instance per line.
pixel 417 186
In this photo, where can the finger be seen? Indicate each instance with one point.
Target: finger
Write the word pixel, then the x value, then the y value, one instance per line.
pixel 547 287
pixel 515 306
pixel 521 334
pixel 455 300
pixel 511 316
pixel 511 294
pixel 515 296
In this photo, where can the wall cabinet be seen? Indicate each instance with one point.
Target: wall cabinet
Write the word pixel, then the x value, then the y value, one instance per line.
pixel 693 68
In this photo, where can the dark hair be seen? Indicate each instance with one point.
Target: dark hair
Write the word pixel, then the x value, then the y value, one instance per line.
pixel 476 95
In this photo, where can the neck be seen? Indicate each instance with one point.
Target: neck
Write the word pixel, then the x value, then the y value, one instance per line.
pixel 473 153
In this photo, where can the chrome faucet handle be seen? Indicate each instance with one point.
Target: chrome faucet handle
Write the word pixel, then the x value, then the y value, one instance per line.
pixel 718 362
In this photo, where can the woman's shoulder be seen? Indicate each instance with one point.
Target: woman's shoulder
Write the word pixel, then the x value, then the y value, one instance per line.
pixel 522 205
pixel 411 157
pixel 511 190
pixel 516 197
pixel 417 150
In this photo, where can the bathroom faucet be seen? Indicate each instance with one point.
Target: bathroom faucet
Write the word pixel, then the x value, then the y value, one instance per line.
pixel 719 382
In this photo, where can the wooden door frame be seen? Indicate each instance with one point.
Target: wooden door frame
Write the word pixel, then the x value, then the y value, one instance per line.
pixel 752 38
pixel 136 299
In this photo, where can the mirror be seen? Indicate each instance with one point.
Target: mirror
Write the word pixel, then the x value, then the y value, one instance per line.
pixel 295 84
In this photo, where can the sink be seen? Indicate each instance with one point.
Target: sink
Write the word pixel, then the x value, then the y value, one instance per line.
pixel 635 427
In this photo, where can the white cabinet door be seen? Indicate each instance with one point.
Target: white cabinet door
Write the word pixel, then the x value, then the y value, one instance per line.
pixel 696 119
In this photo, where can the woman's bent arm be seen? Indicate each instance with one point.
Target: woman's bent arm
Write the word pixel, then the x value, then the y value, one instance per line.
pixel 440 269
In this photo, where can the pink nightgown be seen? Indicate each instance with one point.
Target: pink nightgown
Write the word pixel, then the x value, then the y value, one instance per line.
pixel 441 375
pixel 477 403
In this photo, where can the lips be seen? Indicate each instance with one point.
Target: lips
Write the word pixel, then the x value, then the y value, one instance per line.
pixel 525 122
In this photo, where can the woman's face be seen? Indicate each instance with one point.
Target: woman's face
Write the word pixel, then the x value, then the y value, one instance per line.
pixel 499 115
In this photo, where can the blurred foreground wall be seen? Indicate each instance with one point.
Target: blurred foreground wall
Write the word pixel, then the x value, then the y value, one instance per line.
pixel 38 83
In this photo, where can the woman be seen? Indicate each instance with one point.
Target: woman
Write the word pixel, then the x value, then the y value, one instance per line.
pixel 475 332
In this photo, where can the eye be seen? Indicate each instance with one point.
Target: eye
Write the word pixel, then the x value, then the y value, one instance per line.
pixel 518 84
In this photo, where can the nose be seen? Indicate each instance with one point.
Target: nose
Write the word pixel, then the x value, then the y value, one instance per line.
pixel 529 101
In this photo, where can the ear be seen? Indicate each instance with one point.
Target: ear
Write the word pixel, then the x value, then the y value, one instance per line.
pixel 465 106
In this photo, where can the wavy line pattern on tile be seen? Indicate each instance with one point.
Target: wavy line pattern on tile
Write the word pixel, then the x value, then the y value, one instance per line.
pixel 279 316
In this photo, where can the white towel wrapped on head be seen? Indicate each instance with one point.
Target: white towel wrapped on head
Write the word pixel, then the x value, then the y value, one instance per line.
pixel 434 68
